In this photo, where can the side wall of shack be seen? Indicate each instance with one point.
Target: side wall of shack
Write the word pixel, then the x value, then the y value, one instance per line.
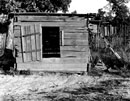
pixel 74 47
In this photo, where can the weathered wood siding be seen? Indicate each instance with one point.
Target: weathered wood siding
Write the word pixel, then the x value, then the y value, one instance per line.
pixel 74 47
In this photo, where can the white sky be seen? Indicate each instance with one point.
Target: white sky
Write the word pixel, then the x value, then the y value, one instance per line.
pixel 87 6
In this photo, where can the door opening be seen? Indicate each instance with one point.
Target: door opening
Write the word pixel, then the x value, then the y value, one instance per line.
pixel 50 42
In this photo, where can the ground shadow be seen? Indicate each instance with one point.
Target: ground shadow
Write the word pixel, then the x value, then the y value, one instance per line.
pixel 84 93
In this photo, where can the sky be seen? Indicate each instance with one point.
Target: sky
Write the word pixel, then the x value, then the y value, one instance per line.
pixel 87 6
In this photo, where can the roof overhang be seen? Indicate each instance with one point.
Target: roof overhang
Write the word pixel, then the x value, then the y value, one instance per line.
pixel 88 15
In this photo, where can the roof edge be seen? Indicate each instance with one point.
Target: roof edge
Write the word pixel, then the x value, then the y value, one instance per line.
pixel 88 15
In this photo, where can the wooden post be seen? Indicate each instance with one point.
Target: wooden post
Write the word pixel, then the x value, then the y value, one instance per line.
pixel 88 65
pixel 10 37
pixel 40 41
pixel 62 38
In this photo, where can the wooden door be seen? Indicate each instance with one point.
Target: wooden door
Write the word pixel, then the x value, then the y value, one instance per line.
pixel 50 42
pixel 31 43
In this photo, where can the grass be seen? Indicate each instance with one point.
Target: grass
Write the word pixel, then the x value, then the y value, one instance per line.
pixel 55 86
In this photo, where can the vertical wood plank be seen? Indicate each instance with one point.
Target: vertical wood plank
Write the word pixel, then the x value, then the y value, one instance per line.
pixel 38 47
pixel 35 42
pixel 40 41
pixel 38 30
pixel 62 38
pixel 105 28
pixel 32 41
pixel 28 44
pixel 112 30
pixel 21 40
pixel 23 43
pixel 109 30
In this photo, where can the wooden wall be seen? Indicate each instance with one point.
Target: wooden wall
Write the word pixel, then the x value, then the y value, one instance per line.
pixel 74 47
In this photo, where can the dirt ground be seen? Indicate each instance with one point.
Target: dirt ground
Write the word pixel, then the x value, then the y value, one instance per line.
pixel 45 86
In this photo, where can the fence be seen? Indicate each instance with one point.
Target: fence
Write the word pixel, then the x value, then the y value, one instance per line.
pixel 117 36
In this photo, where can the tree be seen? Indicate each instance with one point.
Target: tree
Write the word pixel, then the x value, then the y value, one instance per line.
pixel 35 5
pixel 119 9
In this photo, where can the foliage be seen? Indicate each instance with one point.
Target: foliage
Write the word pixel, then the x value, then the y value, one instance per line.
pixel 35 5
pixel 119 8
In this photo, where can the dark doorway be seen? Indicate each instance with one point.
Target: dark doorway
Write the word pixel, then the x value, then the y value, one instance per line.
pixel 50 42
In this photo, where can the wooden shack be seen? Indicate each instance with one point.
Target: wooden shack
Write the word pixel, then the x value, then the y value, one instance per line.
pixel 51 42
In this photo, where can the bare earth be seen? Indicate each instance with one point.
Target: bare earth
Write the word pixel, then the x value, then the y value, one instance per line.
pixel 95 86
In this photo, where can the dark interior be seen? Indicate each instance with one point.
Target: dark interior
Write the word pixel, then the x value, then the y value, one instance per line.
pixel 50 42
